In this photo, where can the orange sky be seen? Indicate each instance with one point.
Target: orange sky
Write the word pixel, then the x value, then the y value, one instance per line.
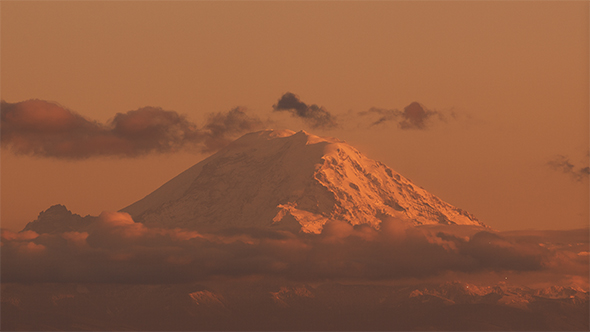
pixel 515 73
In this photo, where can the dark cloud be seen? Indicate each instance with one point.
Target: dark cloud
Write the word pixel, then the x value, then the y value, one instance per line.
pixel 497 253
pixel 563 164
pixel 113 248
pixel 414 116
pixel 313 115
pixel 222 128
pixel 385 115
pixel 46 129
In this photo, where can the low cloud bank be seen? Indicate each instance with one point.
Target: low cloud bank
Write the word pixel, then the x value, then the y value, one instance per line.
pixel 314 115
pixel 46 129
pixel 113 248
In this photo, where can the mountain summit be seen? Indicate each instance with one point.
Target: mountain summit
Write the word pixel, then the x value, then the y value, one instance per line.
pixel 280 177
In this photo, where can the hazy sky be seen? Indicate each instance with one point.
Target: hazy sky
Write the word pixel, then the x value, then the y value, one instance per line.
pixel 505 86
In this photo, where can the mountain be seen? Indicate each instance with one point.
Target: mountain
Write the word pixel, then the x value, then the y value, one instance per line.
pixel 285 179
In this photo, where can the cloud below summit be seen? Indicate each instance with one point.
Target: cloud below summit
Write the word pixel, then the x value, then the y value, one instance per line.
pixel 46 129
pixel 113 248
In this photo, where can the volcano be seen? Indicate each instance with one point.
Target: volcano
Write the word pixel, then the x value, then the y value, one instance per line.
pixel 281 178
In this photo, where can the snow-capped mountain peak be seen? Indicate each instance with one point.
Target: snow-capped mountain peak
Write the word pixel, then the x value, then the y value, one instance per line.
pixel 281 177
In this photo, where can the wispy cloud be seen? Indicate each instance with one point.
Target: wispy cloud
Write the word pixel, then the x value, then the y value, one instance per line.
pixel 564 164
pixel 414 116
pixel 313 115
pixel 47 129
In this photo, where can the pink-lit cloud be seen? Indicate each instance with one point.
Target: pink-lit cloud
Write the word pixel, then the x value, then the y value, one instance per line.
pixel 47 129
pixel 113 248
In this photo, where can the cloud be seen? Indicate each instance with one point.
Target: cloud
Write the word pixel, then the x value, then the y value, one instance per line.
pixel 313 115
pixel 497 253
pixel 563 164
pixel 222 128
pixel 18 236
pixel 414 116
pixel 46 129
pixel 113 248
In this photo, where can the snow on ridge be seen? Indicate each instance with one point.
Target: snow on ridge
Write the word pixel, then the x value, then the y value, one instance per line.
pixel 280 177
